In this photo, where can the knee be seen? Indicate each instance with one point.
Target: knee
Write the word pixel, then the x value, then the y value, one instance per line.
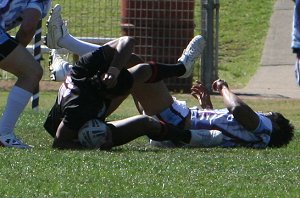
pixel 149 123
pixel 37 73
pixel 31 75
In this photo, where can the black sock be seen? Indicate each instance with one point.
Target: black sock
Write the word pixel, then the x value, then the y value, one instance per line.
pixel 170 132
pixel 162 71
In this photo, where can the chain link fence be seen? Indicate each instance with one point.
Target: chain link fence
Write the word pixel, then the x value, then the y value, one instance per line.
pixel 162 28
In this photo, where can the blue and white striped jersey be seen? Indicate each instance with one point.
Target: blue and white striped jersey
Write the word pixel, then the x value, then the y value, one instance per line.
pixel 234 133
pixel 11 11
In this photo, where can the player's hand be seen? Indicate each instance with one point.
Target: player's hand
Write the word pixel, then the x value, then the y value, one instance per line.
pixel 218 84
pixel 200 92
pixel 110 78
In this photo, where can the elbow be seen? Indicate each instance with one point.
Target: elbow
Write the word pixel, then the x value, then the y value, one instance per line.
pixel 130 41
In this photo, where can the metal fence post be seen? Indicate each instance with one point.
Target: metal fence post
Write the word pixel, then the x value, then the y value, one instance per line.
pixel 210 31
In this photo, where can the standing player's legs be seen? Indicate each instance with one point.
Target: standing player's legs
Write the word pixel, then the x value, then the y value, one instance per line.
pixel 18 61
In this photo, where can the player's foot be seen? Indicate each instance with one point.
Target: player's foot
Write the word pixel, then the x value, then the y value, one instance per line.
pixel 10 140
pixel 191 53
pixel 58 67
pixel 297 70
pixel 162 144
pixel 56 28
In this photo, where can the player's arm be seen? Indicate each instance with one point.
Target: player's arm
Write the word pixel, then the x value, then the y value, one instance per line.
pixel 64 138
pixel 200 92
pixel 30 20
pixel 118 51
pixel 240 110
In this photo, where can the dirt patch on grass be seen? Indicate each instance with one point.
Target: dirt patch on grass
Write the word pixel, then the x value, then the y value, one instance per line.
pixel 44 85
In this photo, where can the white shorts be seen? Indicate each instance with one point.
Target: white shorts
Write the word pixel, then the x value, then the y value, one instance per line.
pixel 176 114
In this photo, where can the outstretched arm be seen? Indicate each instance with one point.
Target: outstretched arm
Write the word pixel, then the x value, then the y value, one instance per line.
pixel 200 92
pixel 240 110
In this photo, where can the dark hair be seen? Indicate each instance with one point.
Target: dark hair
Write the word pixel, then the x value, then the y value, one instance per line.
pixel 283 133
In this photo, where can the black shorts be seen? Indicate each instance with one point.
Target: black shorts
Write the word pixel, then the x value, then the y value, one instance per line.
pixel 53 119
pixel 7 44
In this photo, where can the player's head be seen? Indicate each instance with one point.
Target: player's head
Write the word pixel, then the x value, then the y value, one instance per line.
pixel 283 130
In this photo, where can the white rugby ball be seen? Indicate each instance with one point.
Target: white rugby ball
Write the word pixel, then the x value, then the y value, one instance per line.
pixel 93 134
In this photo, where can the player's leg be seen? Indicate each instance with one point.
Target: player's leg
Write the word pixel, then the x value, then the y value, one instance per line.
pixel 131 128
pixel 18 61
pixel 150 98
pixel 154 97
pixel 154 72
pixel 58 67
pixel 58 36
pixel 200 138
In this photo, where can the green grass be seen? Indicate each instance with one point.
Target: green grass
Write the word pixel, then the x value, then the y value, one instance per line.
pixel 137 170
pixel 243 29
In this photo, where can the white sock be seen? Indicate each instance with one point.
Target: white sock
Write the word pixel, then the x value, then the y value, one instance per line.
pixel 17 100
pixel 76 46
pixel 64 64
pixel 205 138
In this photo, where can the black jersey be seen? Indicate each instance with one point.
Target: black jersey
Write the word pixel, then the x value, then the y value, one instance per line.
pixel 83 96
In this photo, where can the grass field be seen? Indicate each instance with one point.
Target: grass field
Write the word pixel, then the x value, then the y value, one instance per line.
pixel 138 170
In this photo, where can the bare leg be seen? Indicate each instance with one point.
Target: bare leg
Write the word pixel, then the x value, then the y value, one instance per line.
pixel 146 95
pixel 153 98
pixel 29 73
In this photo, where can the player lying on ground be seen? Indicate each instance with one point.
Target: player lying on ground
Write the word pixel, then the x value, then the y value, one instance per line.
pixel 162 105
pixel 239 124
pixel 15 59
pixel 95 87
